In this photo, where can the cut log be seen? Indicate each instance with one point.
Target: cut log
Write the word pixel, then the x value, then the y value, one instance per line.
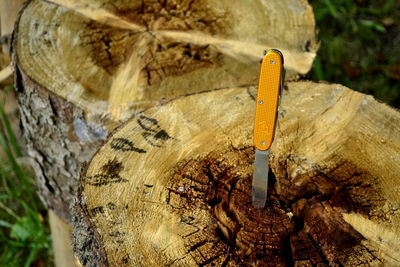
pixel 171 187
pixel 84 66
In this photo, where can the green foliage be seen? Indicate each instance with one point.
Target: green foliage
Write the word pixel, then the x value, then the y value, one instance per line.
pixel 360 46
pixel 24 233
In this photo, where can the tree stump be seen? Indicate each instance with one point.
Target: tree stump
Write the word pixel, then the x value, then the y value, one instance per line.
pixel 171 186
pixel 82 67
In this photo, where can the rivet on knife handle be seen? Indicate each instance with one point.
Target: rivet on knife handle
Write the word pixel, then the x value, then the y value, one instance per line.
pixel 269 89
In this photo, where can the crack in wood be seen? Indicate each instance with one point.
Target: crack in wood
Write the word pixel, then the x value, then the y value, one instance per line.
pixel 161 57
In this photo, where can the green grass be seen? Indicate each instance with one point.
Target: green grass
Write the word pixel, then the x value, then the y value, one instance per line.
pixel 24 231
pixel 360 46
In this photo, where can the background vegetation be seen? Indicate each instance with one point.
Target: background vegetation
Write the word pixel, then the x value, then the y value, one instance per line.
pixel 24 231
pixel 360 48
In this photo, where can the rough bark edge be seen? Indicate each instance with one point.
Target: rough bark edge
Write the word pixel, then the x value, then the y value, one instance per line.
pixel 86 240
pixel 56 202
pixel 50 190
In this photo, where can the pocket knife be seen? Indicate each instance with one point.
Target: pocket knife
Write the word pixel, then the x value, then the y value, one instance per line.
pixel 270 86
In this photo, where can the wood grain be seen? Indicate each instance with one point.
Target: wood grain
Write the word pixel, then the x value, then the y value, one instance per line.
pixel 171 187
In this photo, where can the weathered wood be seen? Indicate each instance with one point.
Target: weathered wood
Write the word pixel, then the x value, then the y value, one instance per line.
pixel 8 13
pixel 171 187
pixel 84 67
pixel 61 241
pixel 5 75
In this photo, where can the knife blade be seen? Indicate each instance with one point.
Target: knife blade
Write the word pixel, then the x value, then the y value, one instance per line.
pixel 268 97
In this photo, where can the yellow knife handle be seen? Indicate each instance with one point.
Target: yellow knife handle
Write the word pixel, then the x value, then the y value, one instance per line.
pixel 269 87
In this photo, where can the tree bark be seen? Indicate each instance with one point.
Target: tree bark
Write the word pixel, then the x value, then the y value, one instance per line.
pixel 172 186
pixel 82 68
